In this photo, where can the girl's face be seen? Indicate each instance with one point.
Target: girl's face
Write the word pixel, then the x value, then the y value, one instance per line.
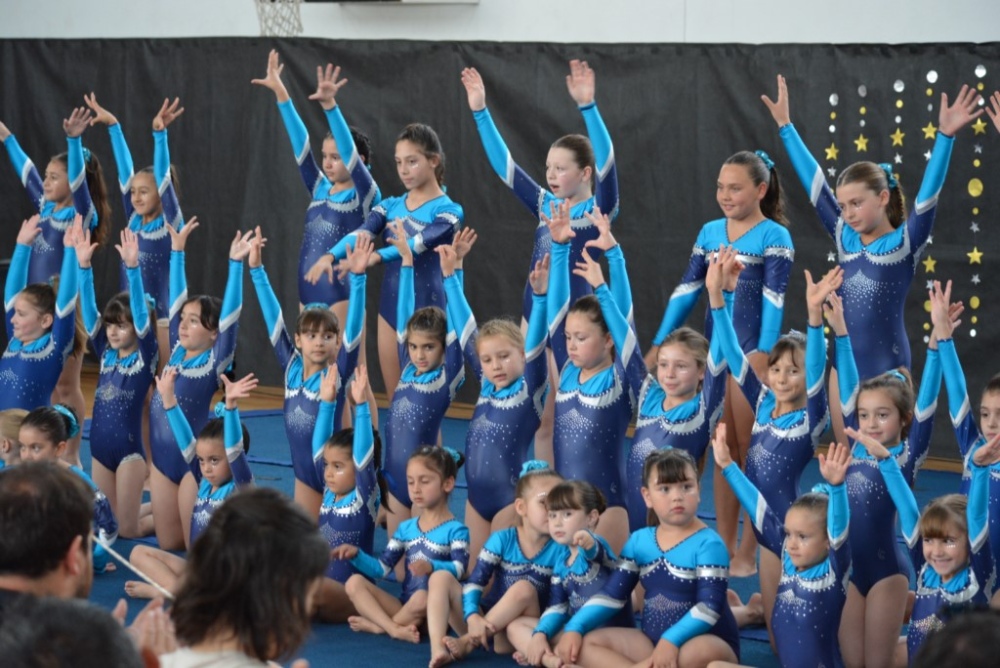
pixel 565 178
pixel 736 193
pixel 879 417
pixel 415 169
pixel 145 198
pixel 989 414
pixel 122 337
pixel 37 446
pixel 502 361
pixel 318 347
pixel 806 541
pixel 426 487
pixel 333 167
pixel 56 184
pixel 426 351
pixel 211 456
pixel 678 372
pixel 947 555
pixel 28 322
pixel 673 503
pixel 193 335
pixel 587 345
pixel 338 470
pixel 563 524
pixel 862 208
pixel 786 378
pixel 531 506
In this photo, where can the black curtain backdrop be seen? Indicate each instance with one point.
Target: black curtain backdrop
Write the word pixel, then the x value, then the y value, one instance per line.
pixel 675 112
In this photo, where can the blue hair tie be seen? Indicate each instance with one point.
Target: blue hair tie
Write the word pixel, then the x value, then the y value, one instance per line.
pixel 766 159
pixel 316 305
pixel 889 176
pixel 533 465
pixel 86 154
pixel 822 488
pixel 220 409
pixel 453 453
pixel 897 375
pixel 74 425
pixel 795 335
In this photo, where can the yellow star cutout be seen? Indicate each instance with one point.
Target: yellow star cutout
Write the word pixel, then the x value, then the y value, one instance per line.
pixel 831 152
pixel 979 126
pixel 897 137
pixel 929 130
pixel 861 142
pixel 929 264
pixel 976 256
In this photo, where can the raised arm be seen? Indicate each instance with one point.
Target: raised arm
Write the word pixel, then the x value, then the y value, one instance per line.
pixel 119 147
pixel 24 167
pixel 17 274
pixel 739 365
pixel 232 301
pixel 581 83
pixel 76 168
pixel 959 408
pixel 168 113
pixel 558 302
pixel 179 425
pixel 233 430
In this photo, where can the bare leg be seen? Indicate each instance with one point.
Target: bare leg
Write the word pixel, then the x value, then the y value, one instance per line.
pixel 884 607
pixel 614 647
pixel 308 499
pixel 750 613
pixel 545 431
pixel 162 567
pixel 702 650
pixel 836 415
pixel 187 496
pixel 396 515
pixel 333 605
pixel 852 629
pixel 520 600
pixel 479 531
pixel 68 392
pixel 613 526
pixel 105 480
pixel 166 516
pixel 388 356
pixel 129 479
pixel 444 609
pixel 745 558
pixel 375 609
pixel 770 576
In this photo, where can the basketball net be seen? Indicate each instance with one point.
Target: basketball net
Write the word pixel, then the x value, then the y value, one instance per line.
pixel 279 18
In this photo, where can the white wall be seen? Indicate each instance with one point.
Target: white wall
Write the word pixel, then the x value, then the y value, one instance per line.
pixel 752 21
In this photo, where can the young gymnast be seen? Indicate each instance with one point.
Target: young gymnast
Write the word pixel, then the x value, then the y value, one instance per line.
pixel 748 191
pixel 354 488
pixel 683 567
pixel 595 400
pixel 41 330
pixel 308 357
pixel 150 200
pixel 203 339
pixel 948 542
pixel 341 187
pixel 10 427
pixel 513 375
pixel 124 339
pixel 220 453
pixel 432 542
pixel 878 244
pixel 44 434
pixel 581 571
pixel 519 562
pixel 815 556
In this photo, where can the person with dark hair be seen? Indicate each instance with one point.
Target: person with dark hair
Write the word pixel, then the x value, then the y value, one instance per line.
pixel 247 593
pixel 969 639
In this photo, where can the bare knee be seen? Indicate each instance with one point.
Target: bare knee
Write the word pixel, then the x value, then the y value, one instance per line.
pixel 441 579
pixel 355 585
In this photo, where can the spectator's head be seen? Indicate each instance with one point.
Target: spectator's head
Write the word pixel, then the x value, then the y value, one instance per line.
pixel 969 639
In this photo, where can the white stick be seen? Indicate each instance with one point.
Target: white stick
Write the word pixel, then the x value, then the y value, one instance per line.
pixel 125 562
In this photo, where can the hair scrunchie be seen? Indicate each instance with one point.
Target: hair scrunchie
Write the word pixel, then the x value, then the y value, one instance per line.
pixel 766 159
pixel 74 424
pixel 533 465
pixel 889 176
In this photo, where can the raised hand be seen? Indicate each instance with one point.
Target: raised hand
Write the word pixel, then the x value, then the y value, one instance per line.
pixel 718 263
pixel 238 389
pixel 272 79
pixel 29 230
pixel 398 241
pixel 344 552
pixel 165 383
pixel 816 292
pixel 988 453
pixel 720 449
pixel 779 107
pixel 328 383
pixel 359 386
pixel 168 113
pixel 475 89
pixel 178 240
pixel 128 248
pixel 952 118
pixel 464 241
pixel 328 83
pixel 833 311
pixel 4 132
pixel 539 276
pixel 78 121
pixel 940 312
pixel 322 267
pixel 257 242
pixel 558 222
pixel 75 237
pixel 589 270
pixel 101 115
pixel 874 448
pixel 359 255
pixel 731 268
pixel 605 240
pixel 992 110
pixel 448 258
pixel 239 248
pixel 581 82
pixel 833 465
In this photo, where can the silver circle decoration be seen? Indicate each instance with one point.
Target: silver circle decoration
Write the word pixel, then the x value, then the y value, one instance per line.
pixel 972 332
pixel 899 86
pixel 833 128
pixel 932 77
pixel 899 119
pixel 862 122
pixel 862 90
pixel 980 71
pixel 834 99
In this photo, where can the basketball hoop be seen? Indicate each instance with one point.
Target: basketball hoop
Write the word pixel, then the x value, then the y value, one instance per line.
pixel 279 18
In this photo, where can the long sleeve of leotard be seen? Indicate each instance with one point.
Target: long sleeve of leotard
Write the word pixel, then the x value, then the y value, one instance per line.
pixel 380 567
pixel 625 341
pixel 926 406
pixel 361 176
pixel 600 608
pixel 88 304
pixel 26 171
pixel 182 432
pixel 464 322
pixel 284 347
pixel 619 284
pixel 739 366
pixel 405 305
pixel 921 221
pixel 558 300
pixel 486 565
pixel 178 292
pixel 458 562
pixel 811 176
pixel 233 434
pixel 686 294
pixel 606 192
pixel 229 318
pixel 778 257
pixel 312 177
pixel 439 231
pixel 555 616
pixel 124 165
pixel 770 527
pixel 711 572
pixel 17 278
pixel 76 172
pixel 164 181
pixel 816 403
pixel 902 496
pixel 527 190
pixel 977 510
pixel 323 429
pixel 847 377
pixel 962 420
pixel 365 476
pixel 64 327
pixel 350 350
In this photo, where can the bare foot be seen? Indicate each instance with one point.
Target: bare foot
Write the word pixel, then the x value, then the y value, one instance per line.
pixel 460 647
pixel 136 589
pixel 440 658
pixel 406 633
pixel 359 624
pixel 520 658
pixel 739 568
pixel 550 660
pixel 755 609
pixel 110 567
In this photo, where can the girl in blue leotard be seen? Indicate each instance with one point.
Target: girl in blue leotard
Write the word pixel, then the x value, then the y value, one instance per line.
pixel 149 197
pixel 434 541
pixel 684 569
pixel 124 339
pixel 306 358
pixel 203 336
pixel 73 185
pixel 815 557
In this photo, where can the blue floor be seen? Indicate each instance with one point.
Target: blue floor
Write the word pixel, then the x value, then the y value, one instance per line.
pixel 338 646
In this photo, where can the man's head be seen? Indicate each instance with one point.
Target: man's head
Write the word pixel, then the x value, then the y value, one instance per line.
pixel 45 530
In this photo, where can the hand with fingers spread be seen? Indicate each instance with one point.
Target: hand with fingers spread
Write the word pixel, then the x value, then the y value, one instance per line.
pixel 74 234
pixel 605 240
pixel 558 222
pixel 952 118
pixel 992 110
pixel 833 465
pixel 589 270
pixel 328 84
pixel 272 79
pixel 257 242
pixel 988 453
pixel 29 230
pixel 128 248
pixel 463 242
pixel 78 121
pixel 817 292
pixel 322 267
pixel 359 385
pixel 344 552
pixel 165 384
pixel 581 82
pixel 85 249
pixel 238 389
pixel 779 107
pixel 101 115
pixel 539 276
pixel 870 444
pixel 178 240
pixel 940 318
pixel 833 311
pixel 720 449
pixel 329 383
pixel 359 256
pixel 720 264
pixel 4 132
pixel 398 240
pixel 152 631
pixel 239 248
pixel 448 259
pixel 168 113
pixel 475 89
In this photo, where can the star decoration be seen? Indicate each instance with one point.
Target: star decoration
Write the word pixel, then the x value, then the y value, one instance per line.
pixel 979 148
pixel 930 239
pixel 979 127
pixel 831 152
pixel 861 142
pixel 831 257
pixel 929 264
pixel 929 130
pixel 898 159
pixel 897 137
pixel 832 171
pixel 975 279
pixel 927 156
pixel 930 285
pixel 974 227
pixel 975 256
